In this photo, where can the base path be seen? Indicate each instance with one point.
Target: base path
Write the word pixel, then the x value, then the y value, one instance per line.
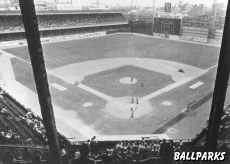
pixel 170 87
pixel 95 92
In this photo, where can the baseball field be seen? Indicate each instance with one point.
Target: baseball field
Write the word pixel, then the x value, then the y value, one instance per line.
pixel 127 84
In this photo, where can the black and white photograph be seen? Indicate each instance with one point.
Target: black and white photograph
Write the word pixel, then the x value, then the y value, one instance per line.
pixel 114 82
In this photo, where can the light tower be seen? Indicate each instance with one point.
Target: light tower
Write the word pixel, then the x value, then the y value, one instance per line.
pixel 214 14
pixel 154 8
pixel 131 16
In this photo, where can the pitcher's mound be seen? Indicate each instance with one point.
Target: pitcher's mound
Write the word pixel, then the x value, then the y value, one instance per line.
pixel 123 108
pixel 87 104
pixel 128 80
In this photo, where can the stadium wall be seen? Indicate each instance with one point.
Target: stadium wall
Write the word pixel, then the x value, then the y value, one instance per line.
pixel 7 44
pixel 142 27
pixel 10 36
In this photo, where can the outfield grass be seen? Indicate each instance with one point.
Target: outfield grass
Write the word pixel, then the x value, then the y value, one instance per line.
pixel 68 52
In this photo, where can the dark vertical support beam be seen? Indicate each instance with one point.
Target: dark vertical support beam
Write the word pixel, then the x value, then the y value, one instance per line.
pixel 221 85
pixel 38 64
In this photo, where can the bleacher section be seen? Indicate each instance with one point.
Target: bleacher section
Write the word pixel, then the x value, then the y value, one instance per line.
pixel 13 23
pixel 16 126
pixel 195 33
pixel 199 139
pixel 23 154
pixel 11 27
pixel 219 34
pixel 195 30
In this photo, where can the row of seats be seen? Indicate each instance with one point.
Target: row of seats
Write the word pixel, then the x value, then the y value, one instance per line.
pixel 148 152
pixel 225 123
pixel 14 130
pixel 14 23
pixel 204 21
pixel 23 155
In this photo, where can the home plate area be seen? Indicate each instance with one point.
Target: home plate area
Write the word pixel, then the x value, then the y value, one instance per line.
pixel 128 108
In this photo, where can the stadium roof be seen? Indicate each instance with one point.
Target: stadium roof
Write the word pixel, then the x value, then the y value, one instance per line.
pixel 58 12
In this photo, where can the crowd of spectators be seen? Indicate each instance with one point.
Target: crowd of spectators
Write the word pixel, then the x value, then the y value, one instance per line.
pixel 219 20
pixel 139 152
pixel 225 121
pixel 35 123
pixel 24 156
pixel 77 20
pixel 195 23
pixel 14 23
pixel 127 152
pixel 8 134
pixel 4 111
pixel 204 21
pixel 124 152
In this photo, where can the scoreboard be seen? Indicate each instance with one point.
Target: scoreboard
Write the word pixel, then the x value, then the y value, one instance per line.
pixel 167 26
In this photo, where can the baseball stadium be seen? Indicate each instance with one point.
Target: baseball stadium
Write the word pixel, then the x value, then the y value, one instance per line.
pixel 109 76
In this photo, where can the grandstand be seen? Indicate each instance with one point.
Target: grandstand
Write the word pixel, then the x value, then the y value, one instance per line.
pixel 195 30
pixel 63 23
pixel 121 93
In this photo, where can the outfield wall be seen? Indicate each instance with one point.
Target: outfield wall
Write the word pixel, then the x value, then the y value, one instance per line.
pixel 17 43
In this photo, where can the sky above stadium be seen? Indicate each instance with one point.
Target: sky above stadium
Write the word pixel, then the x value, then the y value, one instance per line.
pixel 148 2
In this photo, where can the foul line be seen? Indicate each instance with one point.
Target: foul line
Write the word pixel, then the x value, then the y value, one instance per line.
pixel 172 86
pixel 211 67
pixel 11 56
pixel 182 115
pixel 95 92
pixel 169 87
